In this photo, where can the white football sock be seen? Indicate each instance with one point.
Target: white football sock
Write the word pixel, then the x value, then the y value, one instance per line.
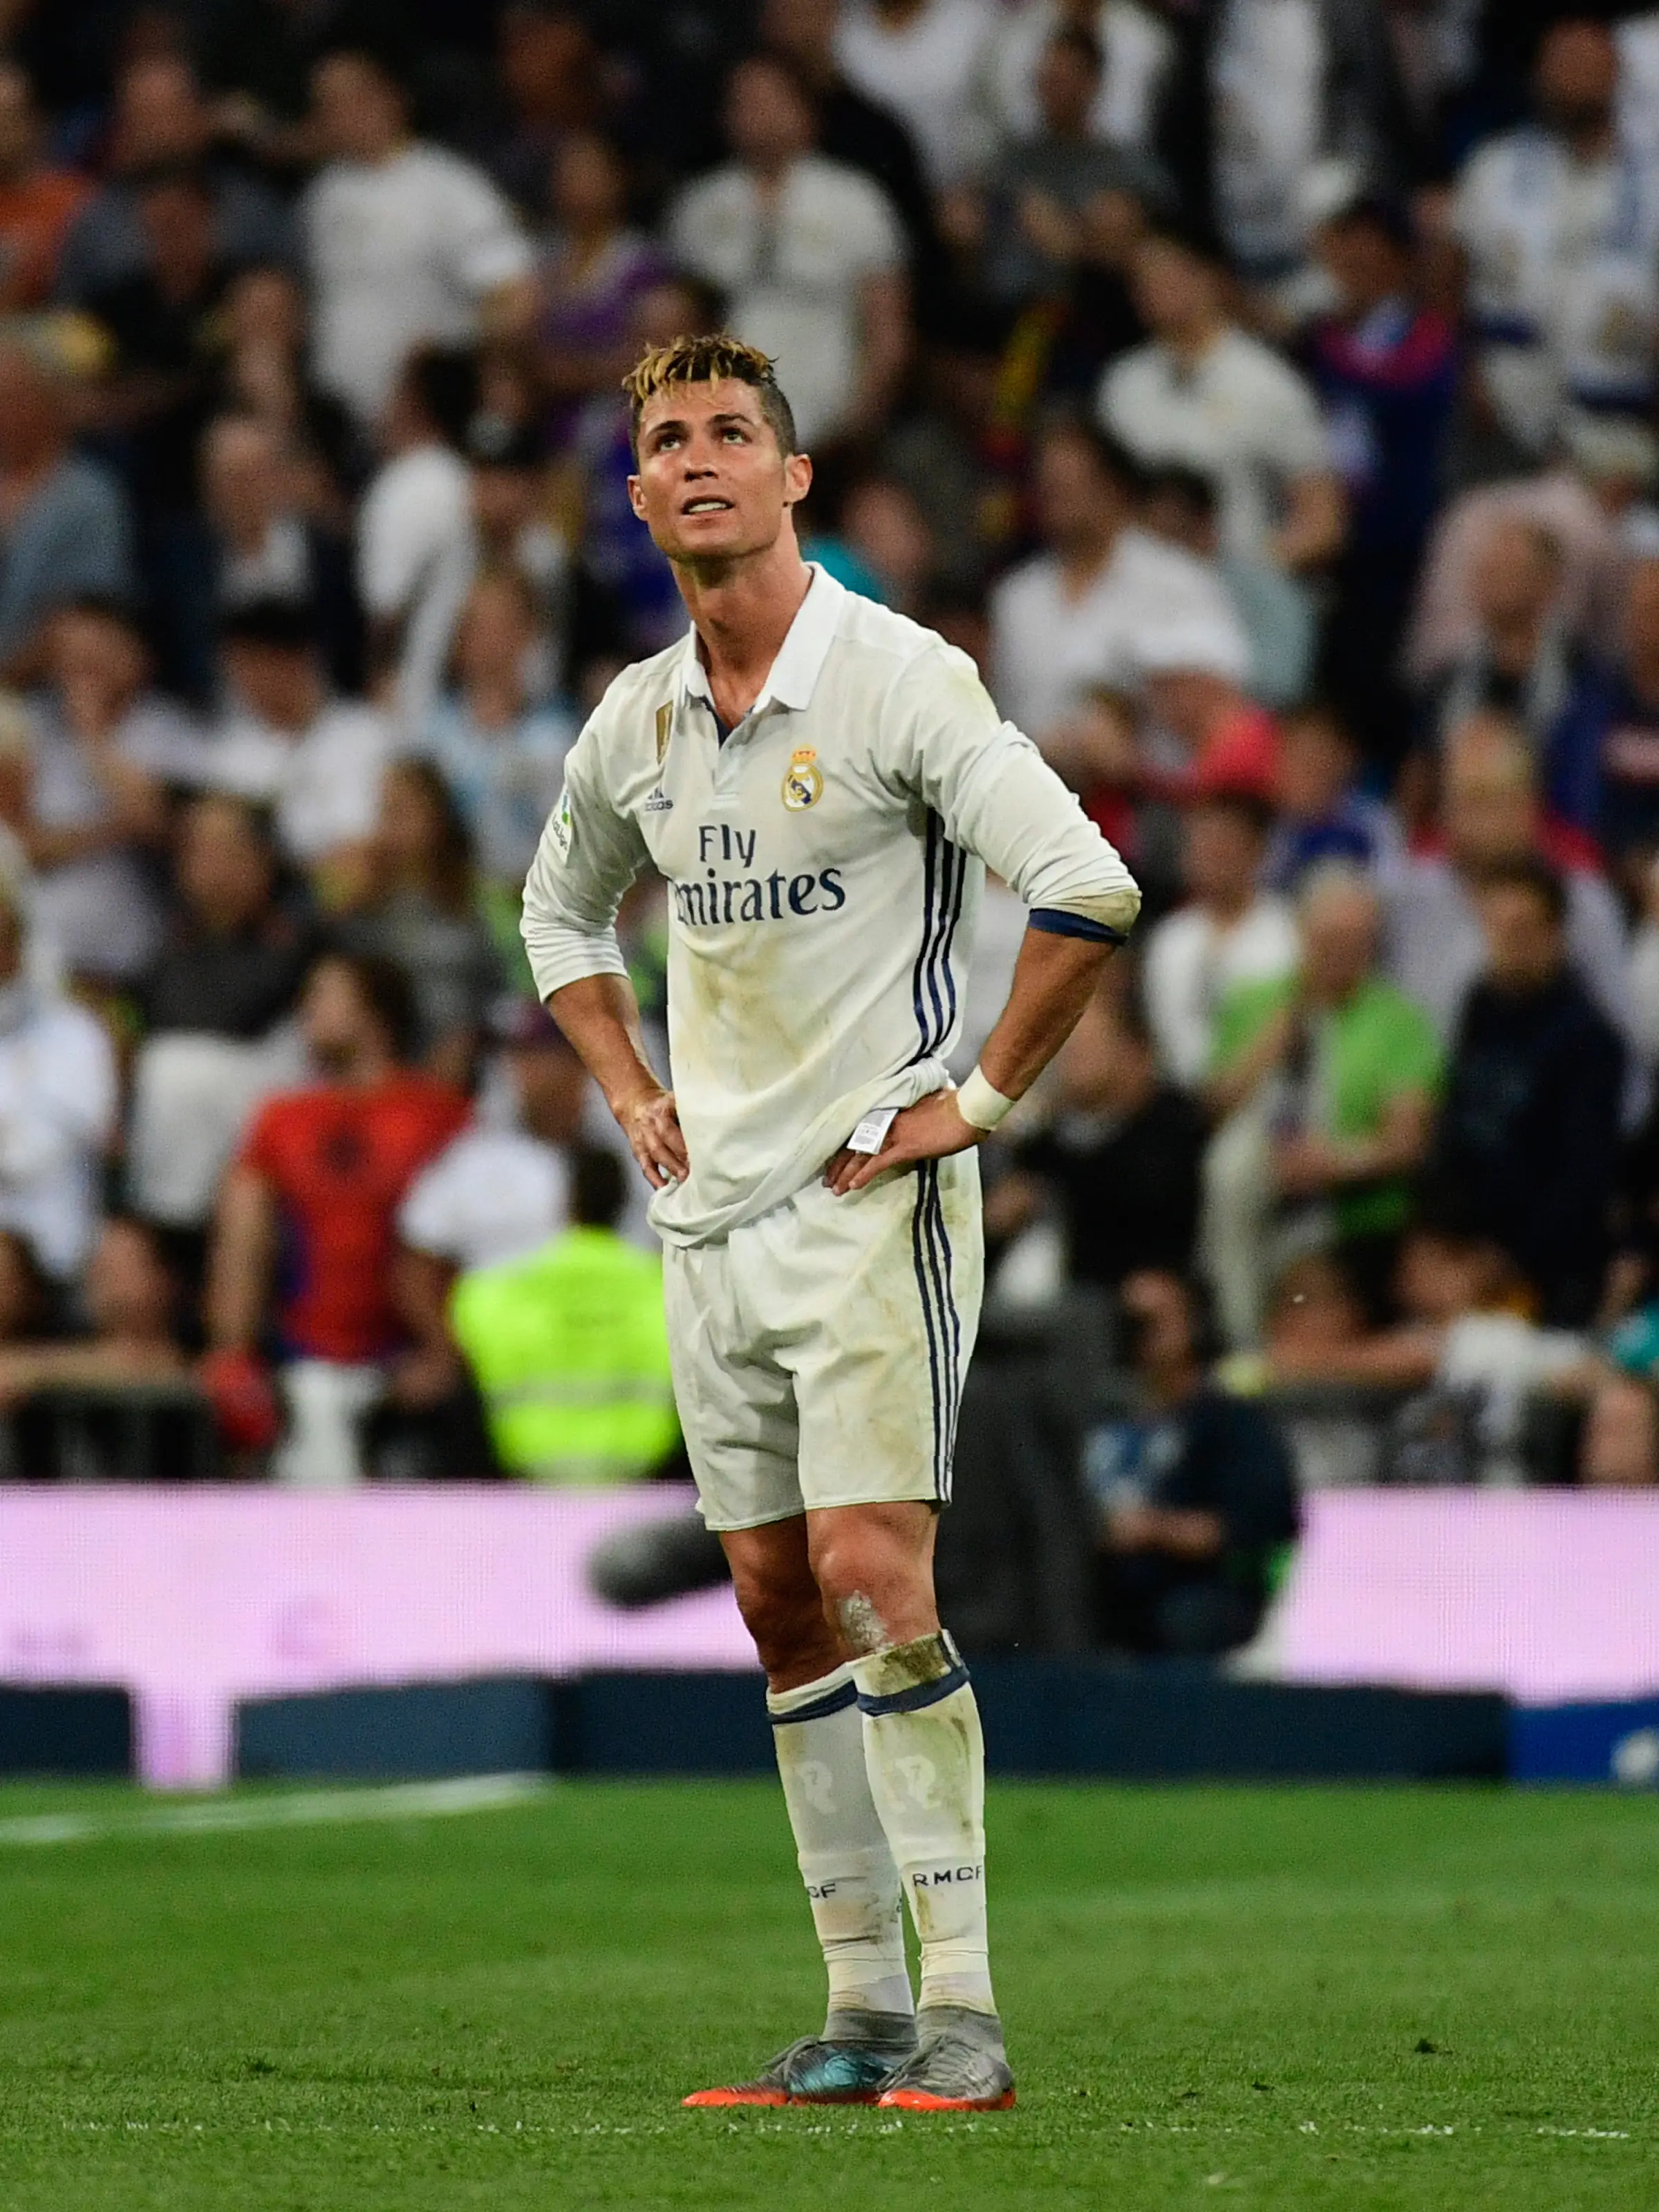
pixel 926 1757
pixel 851 1881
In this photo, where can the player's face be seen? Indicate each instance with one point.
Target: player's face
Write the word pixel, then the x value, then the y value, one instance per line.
pixel 712 484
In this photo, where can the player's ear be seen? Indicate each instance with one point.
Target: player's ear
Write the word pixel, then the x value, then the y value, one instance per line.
pixel 636 497
pixel 797 479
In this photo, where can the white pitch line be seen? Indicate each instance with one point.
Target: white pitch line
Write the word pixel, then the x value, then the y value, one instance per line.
pixel 403 1801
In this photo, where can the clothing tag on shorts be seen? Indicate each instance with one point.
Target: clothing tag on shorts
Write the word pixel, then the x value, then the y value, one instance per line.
pixel 871 1133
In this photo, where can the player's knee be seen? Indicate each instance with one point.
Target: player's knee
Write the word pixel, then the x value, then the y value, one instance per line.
pixel 873 1595
pixel 784 1619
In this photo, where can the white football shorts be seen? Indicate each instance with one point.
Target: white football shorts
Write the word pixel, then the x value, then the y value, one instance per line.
pixel 818 1353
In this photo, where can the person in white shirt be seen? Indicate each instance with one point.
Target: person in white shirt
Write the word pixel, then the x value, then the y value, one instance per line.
pixel 1268 72
pixel 404 242
pixel 1204 395
pixel 822 783
pixel 1229 932
pixel 1105 605
pixel 418 541
pixel 58 1103
pixel 497 1192
pixel 1558 221
pixel 102 748
pixel 809 253
pixel 921 59
pixel 315 761
pixel 1135 47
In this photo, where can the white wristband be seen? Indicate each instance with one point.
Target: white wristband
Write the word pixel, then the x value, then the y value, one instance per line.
pixel 982 1106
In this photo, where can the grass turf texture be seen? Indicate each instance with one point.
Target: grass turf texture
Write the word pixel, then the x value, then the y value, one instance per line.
pixel 1277 1999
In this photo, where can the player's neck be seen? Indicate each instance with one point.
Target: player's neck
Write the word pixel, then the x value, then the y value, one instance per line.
pixel 743 609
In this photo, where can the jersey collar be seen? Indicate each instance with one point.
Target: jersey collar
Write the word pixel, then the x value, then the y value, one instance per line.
pixel 800 658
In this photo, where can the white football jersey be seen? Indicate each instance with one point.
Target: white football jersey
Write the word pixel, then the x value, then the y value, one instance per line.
pixel 1562 293
pixel 824 865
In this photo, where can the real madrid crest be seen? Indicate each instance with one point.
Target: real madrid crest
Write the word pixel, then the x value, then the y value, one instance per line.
pixel 803 781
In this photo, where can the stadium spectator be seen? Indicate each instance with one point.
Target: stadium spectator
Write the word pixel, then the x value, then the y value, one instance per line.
pixel 38 201
pixel 266 543
pixel 406 244
pixel 266 373
pixel 1228 931
pixel 1043 181
pixel 861 133
pixel 1489 817
pixel 1194 1492
pixel 161 121
pixel 65 532
pixel 810 255
pixel 1465 1343
pixel 1524 663
pixel 162 322
pixel 216 1003
pixel 1569 500
pixel 1630 742
pixel 1136 51
pixel 501 753
pixel 1528 1129
pixel 1203 394
pixel 1105 605
pixel 1324 1083
pixel 1268 106
pixel 1559 225
pixel 921 60
pixel 499 1191
pixel 885 529
pixel 1279 617
pixel 286 744
pixel 132 1305
pixel 591 274
pixel 550 73
pixel 58 1101
pixel 1386 370
pixel 321 1174
pixel 569 1348
pixel 1620 1450
pixel 420 910
pixel 1119 1153
pixel 1321 811
pixel 521 521
pixel 417 542
pixel 88 801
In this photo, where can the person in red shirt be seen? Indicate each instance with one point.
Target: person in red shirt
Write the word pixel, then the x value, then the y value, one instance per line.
pixel 304 1240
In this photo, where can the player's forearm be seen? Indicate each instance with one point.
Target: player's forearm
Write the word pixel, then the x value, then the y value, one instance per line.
pixel 1055 978
pixel 601 1017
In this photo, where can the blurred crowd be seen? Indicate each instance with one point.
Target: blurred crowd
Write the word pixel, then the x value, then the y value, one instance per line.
pixel 1262 391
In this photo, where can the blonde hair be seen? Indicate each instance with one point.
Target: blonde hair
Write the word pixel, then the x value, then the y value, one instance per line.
pixel 709 358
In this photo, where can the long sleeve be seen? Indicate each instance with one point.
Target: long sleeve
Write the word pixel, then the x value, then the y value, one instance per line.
pixel 588 856
pixel 1000 798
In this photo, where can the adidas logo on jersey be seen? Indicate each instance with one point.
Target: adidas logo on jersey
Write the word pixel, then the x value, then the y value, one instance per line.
pixel 658 803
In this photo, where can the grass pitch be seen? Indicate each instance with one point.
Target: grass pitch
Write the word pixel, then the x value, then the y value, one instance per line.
pixel 1350 1999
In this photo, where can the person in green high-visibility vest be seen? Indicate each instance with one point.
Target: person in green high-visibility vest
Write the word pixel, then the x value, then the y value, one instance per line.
pixel 568 1347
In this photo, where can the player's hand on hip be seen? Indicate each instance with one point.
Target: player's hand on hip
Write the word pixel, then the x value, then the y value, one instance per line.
pixel 652 1126
pixel 929 1130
